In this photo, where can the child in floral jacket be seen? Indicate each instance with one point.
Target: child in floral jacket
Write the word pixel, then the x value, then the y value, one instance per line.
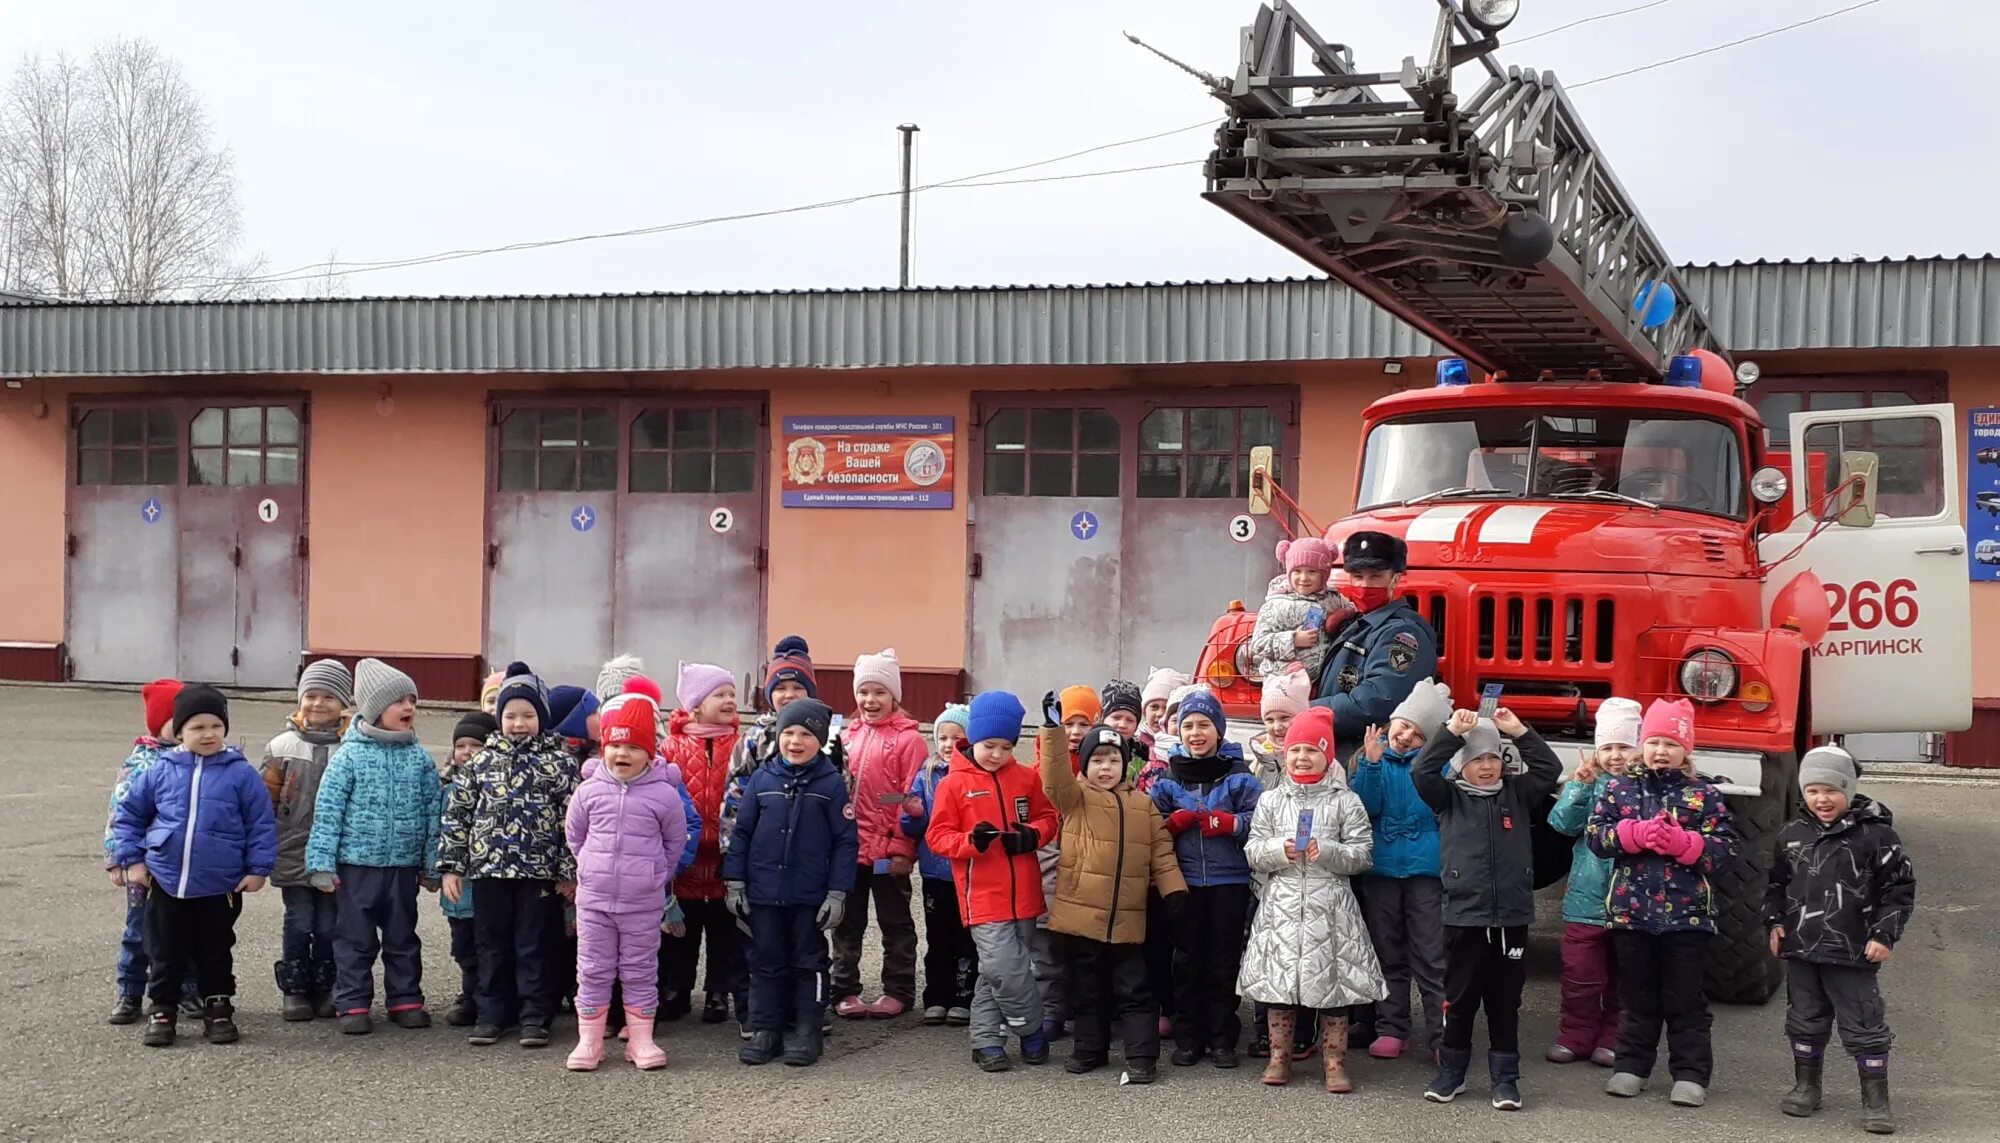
pixel 1667 832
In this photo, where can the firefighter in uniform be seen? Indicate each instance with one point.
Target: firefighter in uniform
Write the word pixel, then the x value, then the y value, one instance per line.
pixel 1379 655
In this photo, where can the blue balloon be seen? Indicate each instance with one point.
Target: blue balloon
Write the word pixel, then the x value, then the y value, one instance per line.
pixel 1654 305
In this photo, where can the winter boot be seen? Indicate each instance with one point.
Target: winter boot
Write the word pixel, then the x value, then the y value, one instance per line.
pixel 589 1051
pixel 1143 1070
pixel 1876 1117
pixel 1278 1065
pixel 1333 1042
pixel 323 974
pixel 639 1046
pixel 1450 1078
pixel 804 1045
pixel 411 1018
pixel 126 1011
pixel 218 1020
pixel 295 982
pixel 463 1013
pixel 1504 1069
pixel 1804 1098
pixel 762 1049
pixel 160 1029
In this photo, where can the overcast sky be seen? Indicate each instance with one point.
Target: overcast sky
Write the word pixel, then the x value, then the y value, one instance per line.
pixel 379 129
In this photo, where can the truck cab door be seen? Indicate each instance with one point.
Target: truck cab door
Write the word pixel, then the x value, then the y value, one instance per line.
pixel 1897 654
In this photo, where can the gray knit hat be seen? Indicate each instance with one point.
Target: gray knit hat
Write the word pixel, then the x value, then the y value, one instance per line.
pixel 1428 708
pixel 329 675
pixel 611 680
pixel 377 686
pixel 1829 766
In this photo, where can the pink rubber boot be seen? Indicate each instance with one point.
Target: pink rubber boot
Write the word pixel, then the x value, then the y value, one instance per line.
pixel 639 1046
pixel 589 1050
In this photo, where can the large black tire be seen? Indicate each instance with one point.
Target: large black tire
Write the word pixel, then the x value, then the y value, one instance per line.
pixel 1741 969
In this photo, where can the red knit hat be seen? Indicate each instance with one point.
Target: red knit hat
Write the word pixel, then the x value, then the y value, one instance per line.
pixel 159 696
pixel 632 724
pixel 1313 728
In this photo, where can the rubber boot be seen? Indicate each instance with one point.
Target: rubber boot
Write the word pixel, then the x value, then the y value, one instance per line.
pixel 639 1046
pixel 1333 1045
pixel 1876 1116
pixel 589 1050
pixel 1278 1067
pixel 1450 1078
pixel 1804 1098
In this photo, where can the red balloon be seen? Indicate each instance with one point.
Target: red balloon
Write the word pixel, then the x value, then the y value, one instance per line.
pixel 1802 605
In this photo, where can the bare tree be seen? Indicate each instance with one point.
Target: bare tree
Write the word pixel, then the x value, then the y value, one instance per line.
pixel 110 183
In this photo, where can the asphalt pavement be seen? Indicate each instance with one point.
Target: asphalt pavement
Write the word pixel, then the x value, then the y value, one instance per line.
pixel 68 1075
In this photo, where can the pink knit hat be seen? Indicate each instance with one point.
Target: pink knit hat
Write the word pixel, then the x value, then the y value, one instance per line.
pixel 1287 693
pixel 1305 552
pixel 697 681
pixel 882 669
pixel 1673 720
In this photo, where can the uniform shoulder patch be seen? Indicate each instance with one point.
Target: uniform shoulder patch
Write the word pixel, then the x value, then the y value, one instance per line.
pixel 1402 655
pixel 847 811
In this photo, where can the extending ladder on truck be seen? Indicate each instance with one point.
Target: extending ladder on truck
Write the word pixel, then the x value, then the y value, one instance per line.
pixel 1492 225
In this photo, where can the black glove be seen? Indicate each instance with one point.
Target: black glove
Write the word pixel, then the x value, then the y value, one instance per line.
pixel 1051 710
pixel 1176 906
pixel 983 834
pixel 1022 838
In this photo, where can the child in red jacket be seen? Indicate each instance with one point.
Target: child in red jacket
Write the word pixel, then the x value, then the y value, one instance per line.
pixel 884 749
pixel 990 818
pixel 701 739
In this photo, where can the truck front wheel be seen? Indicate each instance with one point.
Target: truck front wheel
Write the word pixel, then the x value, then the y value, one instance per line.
pixel 1741 969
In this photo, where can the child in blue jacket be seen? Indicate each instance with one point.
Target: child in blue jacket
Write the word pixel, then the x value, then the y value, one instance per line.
pixel 196 831
pixel 1402 898
pixel 1589 1026
pixel 788 870
pixel 374 839
pixel 1207 796
pixel 951 960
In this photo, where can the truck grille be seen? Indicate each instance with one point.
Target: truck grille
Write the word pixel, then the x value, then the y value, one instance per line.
pixel 1544 627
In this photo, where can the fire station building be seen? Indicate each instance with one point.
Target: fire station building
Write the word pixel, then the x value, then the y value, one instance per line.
pixel 1007 485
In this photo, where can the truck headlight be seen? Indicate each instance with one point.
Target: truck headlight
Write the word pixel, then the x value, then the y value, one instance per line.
pixel 1769 485
pixel 1246 664
pixel 1708 675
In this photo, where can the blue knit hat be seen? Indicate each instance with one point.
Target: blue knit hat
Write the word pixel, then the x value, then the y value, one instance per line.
pixel 1203 701
pixel 571 708
pixel 522 683
pixel 956 713
pixel 995 714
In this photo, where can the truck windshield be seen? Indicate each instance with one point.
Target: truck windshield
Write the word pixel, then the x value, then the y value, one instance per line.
pixel 1689 463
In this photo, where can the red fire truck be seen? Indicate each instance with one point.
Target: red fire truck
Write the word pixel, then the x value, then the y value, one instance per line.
pixel 1591 507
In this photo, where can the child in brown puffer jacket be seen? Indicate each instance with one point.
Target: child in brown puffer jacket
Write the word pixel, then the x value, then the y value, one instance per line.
pixel 1114 848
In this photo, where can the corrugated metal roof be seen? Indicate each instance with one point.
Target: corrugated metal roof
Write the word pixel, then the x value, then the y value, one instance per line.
pixel 1754 307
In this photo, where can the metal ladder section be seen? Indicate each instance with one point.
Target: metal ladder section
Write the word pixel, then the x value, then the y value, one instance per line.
pixel 1403 198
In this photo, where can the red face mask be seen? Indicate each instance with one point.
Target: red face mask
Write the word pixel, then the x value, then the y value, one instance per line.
pixel 1307 779
pixel 1365 599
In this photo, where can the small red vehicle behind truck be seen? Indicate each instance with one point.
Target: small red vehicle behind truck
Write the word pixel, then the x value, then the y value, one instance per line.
pixel 1591 507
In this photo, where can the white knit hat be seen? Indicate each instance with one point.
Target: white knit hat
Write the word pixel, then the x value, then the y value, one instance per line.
pixel 882 669
pixel 1428 708
pixel 1162 683
pixel 611 679
pixel 1618 722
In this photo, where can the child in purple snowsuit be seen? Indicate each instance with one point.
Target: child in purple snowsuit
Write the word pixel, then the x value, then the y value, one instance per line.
pixel 627 829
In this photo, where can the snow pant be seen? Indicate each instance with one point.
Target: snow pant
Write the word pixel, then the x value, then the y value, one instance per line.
pixel 891 896
pixel 312 919
pixel 511 926
pixel 1405 918
pixel 1159 949
pixel 377 913
pixel 1484 968
pixel 1589 990
pixel 465 954
pixel 1106 984
pixel 711 920
pixel 621 947
pixel 1660 982
pixel 1005 1000
pixel 788 967
pixel 951 963
pixel 1817 996
pixel 190 935
pixel 1208 951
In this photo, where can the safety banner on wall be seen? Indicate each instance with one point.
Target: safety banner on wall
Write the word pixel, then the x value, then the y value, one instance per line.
pixel 868 462
pixel 1982 492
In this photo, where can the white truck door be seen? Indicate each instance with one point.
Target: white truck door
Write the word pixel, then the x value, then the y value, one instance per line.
pixel 1897 655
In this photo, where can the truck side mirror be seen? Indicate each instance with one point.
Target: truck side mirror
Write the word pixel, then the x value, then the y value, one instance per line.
pixel 1260 480
pixel 1854 504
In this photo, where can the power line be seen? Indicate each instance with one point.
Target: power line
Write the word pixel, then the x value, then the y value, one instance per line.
pixel 1722 47
pixel 1589 20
